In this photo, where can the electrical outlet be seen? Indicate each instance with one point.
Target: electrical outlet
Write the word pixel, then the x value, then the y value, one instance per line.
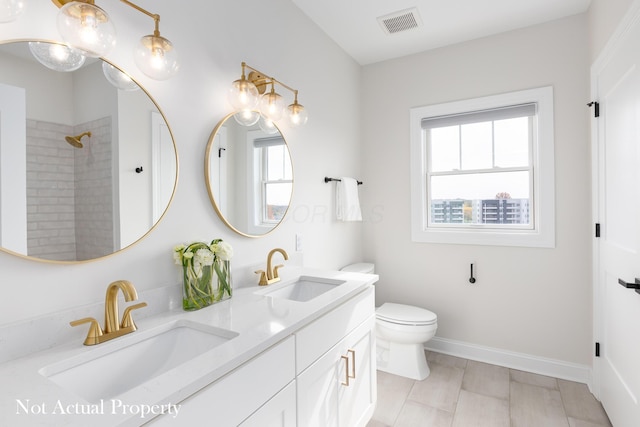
pixel 298 242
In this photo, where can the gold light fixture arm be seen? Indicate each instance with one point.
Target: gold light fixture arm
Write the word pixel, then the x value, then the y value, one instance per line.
pixel 261 80
pixel 155 16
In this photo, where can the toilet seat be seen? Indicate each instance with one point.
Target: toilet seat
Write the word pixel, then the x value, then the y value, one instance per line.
pixel 401 314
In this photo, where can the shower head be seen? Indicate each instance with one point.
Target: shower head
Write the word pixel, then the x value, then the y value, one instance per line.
pixel 75 140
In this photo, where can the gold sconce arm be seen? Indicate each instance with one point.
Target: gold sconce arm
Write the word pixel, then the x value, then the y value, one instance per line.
pixel 249 94
pixel 261 80
pixel 155 16
pixel 155 55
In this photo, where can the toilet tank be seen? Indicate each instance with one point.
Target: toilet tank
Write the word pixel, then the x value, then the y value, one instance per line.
pixel 360 267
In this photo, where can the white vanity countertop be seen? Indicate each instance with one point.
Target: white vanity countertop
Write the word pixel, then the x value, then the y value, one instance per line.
pixel 260 322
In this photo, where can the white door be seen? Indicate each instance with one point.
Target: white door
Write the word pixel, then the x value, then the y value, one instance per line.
pixel 163 166
pixel 616 85
pixel 218 173
pixel 13 169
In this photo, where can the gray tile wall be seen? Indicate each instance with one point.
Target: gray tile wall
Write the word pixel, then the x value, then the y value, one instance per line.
pixel 50 192
pixel 94 191
pixel 69 191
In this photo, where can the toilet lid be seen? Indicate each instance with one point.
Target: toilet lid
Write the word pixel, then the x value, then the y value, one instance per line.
pixel 405 314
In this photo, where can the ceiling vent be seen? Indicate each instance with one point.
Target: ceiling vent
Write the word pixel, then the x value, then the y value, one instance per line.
pixel 400 21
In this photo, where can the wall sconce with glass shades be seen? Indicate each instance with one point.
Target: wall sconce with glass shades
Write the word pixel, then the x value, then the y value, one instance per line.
pixel 88 31
pixel 254 104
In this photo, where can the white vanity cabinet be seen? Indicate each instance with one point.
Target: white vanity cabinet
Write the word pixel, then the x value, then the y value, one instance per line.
pixel 260 392
pixel 323 375
pixel 279 411
pixel 336 381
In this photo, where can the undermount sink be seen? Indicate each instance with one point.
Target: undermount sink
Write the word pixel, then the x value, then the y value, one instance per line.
pixel 305 288
pixel 105 372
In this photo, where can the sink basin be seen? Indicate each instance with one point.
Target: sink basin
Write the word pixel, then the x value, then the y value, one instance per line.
pixel 305 288
pixel 114 368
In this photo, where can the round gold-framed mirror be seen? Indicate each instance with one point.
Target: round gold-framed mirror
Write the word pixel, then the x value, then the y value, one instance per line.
pixel 86 168
pixel 249 176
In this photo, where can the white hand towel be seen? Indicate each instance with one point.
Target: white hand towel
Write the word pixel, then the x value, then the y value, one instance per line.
pixel 347 202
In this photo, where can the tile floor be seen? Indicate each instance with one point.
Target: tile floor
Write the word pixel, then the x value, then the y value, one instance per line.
pixel 465 393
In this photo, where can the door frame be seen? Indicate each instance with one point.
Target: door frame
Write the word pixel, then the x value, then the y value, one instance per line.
pixel 631 19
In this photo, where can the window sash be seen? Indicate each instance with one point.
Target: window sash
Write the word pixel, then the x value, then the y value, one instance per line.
pixel 542 180
pixel 262 145
pixel 485 116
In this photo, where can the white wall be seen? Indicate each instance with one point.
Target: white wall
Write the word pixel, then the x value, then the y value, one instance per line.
pixel 532 301
pixel 213 38
pixel 47 93
pixel 604 17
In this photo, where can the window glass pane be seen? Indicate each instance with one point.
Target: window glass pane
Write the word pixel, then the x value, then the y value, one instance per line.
pixel 512 142
pixel 487 198
pixel 476 146
pixel 445 149
pixel 275 162
pixel 277 197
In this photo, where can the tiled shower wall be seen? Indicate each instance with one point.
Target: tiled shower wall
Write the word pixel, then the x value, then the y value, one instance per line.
pixel 69 191
pixel 94 191
pixel 50 192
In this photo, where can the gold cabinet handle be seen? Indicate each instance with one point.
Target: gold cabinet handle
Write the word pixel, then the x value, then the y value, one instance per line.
pixel 353 364
pixel 346 370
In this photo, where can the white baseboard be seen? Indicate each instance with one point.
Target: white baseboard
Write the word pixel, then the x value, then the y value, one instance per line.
pixel 510 359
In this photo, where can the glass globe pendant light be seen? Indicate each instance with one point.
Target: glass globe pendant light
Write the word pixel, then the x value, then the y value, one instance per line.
pixel 272 105
pixel 267 125
pixel 86 27
pixel 10 10
pixel 243 94
pixel 247 117
pixel 57 57
pixel 156 57
pixel 296 113
pixel 117 78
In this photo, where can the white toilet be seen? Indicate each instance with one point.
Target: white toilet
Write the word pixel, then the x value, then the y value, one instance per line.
pixel 401 331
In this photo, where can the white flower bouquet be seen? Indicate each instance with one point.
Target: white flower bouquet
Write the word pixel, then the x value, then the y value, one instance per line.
pixel 199 261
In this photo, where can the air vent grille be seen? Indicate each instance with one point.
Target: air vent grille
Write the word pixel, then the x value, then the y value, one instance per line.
pixel 400 21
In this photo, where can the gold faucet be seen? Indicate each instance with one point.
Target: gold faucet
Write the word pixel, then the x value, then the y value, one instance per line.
pixel 271 275
pixel 113 328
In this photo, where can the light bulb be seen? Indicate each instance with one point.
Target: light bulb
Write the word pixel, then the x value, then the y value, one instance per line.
pixel 59 52
pixel 57 57
pixel 117 78
pixel 243 95
pixel 156 57
pixel 10 10
pixel 297 115
pixel 267 125
pixel 247 117
pixel 87 28
pixel 272 105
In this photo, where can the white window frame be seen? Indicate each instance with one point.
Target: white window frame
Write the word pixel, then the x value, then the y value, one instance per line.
pixel 542 232
pixel 257 224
